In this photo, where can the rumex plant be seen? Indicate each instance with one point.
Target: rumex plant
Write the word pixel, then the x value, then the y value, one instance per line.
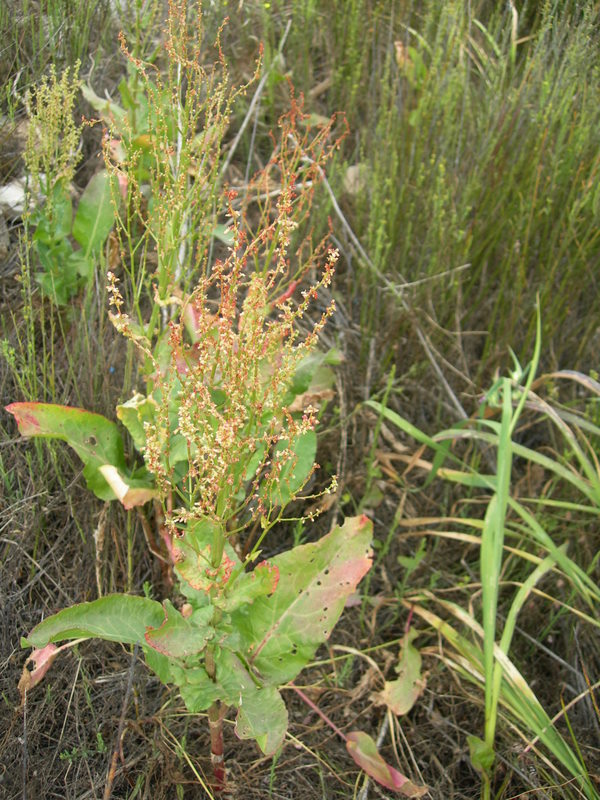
pixel 51 156
pixel 230 385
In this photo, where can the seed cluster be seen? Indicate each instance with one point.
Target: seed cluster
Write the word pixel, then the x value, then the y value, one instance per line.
pixel 223 434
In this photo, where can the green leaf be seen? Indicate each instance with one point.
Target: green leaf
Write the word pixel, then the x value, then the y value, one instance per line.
pixel 133 414
pixel 281 633
pixel 112 113
pixel 116 618
pixel 482 755
pixel 262 716
pixel 364 752
pixel 296 471
pixel 224 233
pixel 61 210
pixel 177 636
pixel 95 216
pixel 261 581
pixel 79 263
pixel 97 442
pixel 159 664
pixel 198 691
pixel 305 371
pixel 193 554
pixel 401 695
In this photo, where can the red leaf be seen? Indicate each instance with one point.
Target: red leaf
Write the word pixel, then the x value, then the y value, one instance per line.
pixel 364 752
pixel 43 660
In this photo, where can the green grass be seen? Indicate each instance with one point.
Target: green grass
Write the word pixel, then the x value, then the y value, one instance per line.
pixel 515 529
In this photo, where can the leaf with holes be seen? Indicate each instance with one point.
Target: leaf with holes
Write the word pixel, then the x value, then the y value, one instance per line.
pixel 42 659
pixel 97 442
pixel 281 633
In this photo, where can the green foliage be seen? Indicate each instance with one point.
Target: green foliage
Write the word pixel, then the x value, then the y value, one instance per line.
pixel 508 516
pixel 237 658
pixel 51 155
pixel 476 161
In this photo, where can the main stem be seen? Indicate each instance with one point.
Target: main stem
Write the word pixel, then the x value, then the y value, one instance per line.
pixel 216 712
pixel 215 724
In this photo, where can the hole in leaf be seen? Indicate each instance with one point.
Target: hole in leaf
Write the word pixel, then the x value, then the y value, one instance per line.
pixel 319 583
pixel 325 572
pixel 92 441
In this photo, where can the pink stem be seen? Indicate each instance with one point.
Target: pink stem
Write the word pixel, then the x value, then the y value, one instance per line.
pixel 215 724
pixel 317 710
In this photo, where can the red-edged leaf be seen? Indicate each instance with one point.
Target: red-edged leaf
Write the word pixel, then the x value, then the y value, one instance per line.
pixel 42 659
pixel 179 636
pixel 364 752
pixel 116 618
pixel 281 632
pixel 97 442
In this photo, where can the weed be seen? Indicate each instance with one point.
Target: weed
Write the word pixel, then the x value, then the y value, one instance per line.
pixel 225 428
pixel 484 658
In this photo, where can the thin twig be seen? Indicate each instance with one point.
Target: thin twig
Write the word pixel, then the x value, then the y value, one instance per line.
pixel 318 711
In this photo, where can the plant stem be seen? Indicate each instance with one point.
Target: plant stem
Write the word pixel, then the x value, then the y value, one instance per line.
pixel 215 724
pixel 216 712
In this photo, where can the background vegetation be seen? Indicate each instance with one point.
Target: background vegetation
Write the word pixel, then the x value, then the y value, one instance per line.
pixel 465 205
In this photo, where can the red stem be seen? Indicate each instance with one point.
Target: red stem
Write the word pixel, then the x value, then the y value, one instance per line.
pixel 317 710
pixel 215 724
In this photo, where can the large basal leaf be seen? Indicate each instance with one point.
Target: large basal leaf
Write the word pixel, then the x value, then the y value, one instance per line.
pixel 116 618
pixel 262 716
pixel 282 632
pixel 97 442
pixel 95 215
pixel 364 752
